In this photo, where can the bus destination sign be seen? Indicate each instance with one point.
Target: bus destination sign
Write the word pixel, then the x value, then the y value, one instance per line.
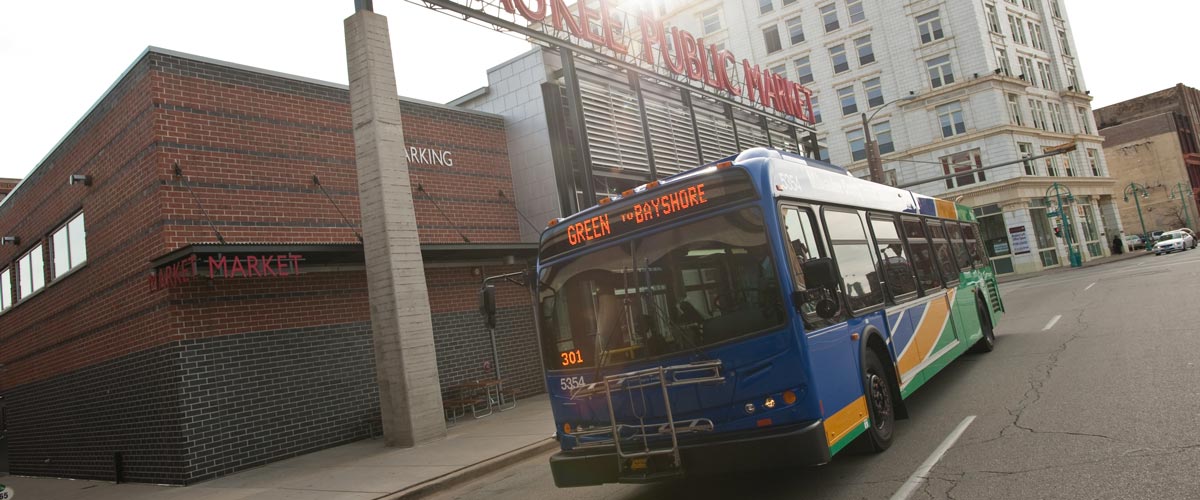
pixel 667 203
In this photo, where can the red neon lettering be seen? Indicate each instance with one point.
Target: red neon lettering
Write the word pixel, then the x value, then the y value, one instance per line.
pixel 692 195
pixel 651 34
pixel 709 53
pixel 295 263
pixel 533 15
pixel 586 16
pixel 675 206
pixel 805 100
pixel 691 56
pixel 252 266
pixel 677 64
pixel 753 79
pixel 279 265
pixel 560 13
pixel 604 225
pixel 266 265
pixel 608 22
pixel 700 193
pixel 214 264
pixel 723 72
pixel 237 266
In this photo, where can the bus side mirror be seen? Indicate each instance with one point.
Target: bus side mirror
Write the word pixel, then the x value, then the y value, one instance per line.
pixel 819 274
pixel 487 305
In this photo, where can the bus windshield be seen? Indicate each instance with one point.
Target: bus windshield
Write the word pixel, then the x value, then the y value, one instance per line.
pixel 661 293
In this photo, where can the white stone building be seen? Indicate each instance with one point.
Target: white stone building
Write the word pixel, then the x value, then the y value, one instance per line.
pixel 948 86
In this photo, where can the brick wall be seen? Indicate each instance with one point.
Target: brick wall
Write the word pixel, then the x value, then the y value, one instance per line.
pixel 216 376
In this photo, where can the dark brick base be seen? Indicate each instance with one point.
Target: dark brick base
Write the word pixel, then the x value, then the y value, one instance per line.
pixel 199 409
pixel 463 347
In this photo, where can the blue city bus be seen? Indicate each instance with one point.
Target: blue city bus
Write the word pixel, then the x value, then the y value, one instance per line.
pixel 762 311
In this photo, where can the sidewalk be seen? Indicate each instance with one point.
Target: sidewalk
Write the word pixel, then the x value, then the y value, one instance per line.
pixel 364 470
pixel 1067 268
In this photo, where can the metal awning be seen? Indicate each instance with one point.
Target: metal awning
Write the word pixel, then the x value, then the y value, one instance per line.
pixel 352 253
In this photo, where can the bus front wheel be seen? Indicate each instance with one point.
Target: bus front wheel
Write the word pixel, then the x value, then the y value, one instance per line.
pixel 880 404
pixel 988 341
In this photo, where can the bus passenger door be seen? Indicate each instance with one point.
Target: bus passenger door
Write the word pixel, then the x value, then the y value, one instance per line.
pixel 831 351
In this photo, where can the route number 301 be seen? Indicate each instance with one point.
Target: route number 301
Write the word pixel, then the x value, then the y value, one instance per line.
pixel 568 383
pixel 570 358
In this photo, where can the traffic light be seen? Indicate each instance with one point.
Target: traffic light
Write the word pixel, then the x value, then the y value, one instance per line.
pixel 1057 232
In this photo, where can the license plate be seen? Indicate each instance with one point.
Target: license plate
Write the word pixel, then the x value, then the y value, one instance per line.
pixel 637 463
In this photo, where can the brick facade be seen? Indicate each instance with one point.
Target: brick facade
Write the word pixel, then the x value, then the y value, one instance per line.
pixel 216 375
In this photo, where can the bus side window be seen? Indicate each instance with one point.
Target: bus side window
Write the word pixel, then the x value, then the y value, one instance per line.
pixel 894 260
pixel 941 250
pixel 804 244
pixel 922 254
pixel 852 250
pixel 961 252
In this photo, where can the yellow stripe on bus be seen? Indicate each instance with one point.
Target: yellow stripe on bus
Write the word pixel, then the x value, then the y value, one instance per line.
pixel 926 336
pixel 845 420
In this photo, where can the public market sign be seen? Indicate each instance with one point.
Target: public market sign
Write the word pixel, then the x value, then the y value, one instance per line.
pixel 219 267
pixel 647 42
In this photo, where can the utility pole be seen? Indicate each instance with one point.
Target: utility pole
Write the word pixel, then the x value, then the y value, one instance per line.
pixel 1133 188
pixel 1073 256
pixel 874 162
pixel 410 397
pixel 1180 188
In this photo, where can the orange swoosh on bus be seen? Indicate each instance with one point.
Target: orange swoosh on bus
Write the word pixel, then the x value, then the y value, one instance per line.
pixel 928 331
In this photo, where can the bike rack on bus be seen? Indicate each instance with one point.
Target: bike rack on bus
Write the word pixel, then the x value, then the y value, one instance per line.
pixel 664 377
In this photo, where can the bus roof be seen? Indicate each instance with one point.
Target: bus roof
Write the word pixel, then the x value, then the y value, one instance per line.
pixel 806 178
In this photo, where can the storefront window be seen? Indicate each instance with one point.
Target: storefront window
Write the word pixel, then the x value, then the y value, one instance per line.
pixel 1045 236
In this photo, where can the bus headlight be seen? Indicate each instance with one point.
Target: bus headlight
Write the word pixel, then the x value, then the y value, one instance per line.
pixel 769 403
pixel 749 408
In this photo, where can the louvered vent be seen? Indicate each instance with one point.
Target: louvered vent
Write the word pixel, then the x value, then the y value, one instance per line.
pixel 716 135
pixel 671 135
pixel 614 129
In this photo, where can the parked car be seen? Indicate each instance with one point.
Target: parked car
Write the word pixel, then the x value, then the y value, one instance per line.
pixel 1188 231
pixel 1174 241
pixel 1135 241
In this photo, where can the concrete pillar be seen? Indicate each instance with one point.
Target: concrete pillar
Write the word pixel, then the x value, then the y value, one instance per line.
pixel 405 361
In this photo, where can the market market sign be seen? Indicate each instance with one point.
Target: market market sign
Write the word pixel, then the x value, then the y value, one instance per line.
pixel 224 267
pixel 639 41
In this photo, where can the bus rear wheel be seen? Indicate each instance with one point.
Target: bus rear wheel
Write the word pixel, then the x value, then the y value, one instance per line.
pixel 880 403
pixel 988 341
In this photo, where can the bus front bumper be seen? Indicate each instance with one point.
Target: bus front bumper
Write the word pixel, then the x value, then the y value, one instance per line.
pixel 785 446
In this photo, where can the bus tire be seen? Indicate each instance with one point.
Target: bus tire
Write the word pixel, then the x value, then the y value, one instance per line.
pixel 988 342
pixel 881 404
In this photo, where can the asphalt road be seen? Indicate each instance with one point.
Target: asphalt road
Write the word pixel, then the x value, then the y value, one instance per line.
pixel 1093 391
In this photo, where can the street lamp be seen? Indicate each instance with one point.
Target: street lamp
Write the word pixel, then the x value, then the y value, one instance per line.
pixel 1133 188
pixel 874 163
pixel 1059 189
pixel 1179 188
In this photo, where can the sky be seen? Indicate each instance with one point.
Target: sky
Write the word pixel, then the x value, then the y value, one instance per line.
pixel 58 58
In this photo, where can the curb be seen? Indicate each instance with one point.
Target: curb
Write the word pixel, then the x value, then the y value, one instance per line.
pixel 472 471
pixel 1108 260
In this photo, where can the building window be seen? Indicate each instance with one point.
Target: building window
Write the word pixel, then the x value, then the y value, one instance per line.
pixel 1027 72
pixel 1035 36
pixel 69 246
pixel 6 298
pixel 765 6
pixel 1094 161
pixel 950 116
pixel 1052 166
pixel 1058 122
pixel 1025 149
pixel 1054 10
pixel 31 272
pixel 804 72
pixel 829 17
pixel 1038 112
pixel 874 92
pixel 837 54
pixel 846 97
pixel 1084 123
pixel 823 153
pixel 858 145
pixel 963 162
pixel 1073 79
pixel 1047 73
pixel 855 9
pixel 1028 4
pixel 940 72
pixel 1014 110
pixel 993 19
pixel 816 108
pixel 929 26
pixel 1002 61
pixel 1062 40
pixel 882 132
pixel 788 2
pixel 771 38
pixel 795 30
pixel 866 55
pixel 1018 30
pixel 711 20
pixel 1070 165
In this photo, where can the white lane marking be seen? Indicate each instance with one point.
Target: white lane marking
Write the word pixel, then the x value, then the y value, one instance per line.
pixel 914 481
pixel 1052 322
pixel 1089 287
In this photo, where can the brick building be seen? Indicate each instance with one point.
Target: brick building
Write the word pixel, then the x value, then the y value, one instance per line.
pixel 1151 140
pixel 169 326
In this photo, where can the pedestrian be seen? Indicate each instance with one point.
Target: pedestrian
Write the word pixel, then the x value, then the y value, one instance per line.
pixel 1117 246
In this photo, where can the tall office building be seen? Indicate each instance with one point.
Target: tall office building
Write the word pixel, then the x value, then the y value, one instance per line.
pixel 947 86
